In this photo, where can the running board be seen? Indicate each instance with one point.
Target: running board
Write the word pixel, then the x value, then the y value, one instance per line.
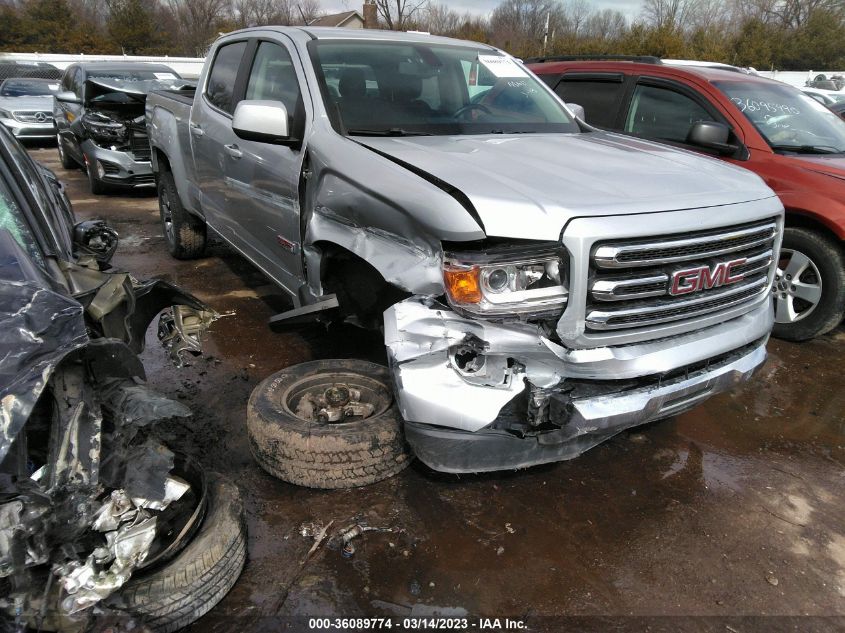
pixel 307 313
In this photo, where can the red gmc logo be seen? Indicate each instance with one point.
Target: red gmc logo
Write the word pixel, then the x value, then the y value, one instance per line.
pixel 705 278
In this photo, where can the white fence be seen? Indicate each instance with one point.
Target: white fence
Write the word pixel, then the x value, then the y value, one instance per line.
pixel 188 67
pixel 797 78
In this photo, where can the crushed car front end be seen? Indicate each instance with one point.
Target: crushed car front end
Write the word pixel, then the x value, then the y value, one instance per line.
pixel 640 319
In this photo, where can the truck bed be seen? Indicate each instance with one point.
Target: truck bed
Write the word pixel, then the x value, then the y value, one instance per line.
pixel 185 95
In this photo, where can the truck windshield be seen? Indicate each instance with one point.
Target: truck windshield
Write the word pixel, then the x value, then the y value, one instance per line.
pixel 411 88
pixel 788 119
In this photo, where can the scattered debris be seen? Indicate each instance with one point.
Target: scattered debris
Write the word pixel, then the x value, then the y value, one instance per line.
pixel 319 537
pixel 772 580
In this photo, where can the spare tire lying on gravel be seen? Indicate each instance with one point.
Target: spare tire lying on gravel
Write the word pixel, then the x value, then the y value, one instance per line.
pixel 327 424
pixel 187 587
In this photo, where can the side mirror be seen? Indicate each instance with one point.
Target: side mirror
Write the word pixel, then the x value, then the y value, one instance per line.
pixel 96 238
pixel 577 110
pixel 711 135
pixel 67 96
pixel 263 121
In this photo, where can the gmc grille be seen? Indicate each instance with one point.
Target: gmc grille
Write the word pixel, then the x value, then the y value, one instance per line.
pixel 631 280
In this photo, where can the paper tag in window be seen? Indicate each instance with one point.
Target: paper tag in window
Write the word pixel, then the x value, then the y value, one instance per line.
pixel 502 66
pixel 165 75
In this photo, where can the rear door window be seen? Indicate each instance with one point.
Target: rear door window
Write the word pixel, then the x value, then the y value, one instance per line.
pixel 220 86
pixel 601 97
pixel 663 113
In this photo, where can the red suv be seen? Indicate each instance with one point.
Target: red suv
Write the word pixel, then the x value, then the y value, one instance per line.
pixel 786 137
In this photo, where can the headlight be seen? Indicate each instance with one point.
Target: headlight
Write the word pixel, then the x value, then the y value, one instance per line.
pixel 5 114
pixel 102 129
pixel 508 283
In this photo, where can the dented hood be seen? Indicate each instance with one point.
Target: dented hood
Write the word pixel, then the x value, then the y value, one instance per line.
pixel 112 90
pixel 530 186
pixel 39 326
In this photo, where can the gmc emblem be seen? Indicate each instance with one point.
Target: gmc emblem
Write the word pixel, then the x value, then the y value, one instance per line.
pixel 705 278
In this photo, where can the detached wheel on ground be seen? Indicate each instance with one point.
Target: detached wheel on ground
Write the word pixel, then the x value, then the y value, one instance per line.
pixel 327 424
pixel 185 233
pixel 66 161
pixel 187 587
pixel 809 289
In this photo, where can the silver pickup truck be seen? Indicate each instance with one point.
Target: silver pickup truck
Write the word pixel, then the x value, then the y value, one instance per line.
pixel 542 285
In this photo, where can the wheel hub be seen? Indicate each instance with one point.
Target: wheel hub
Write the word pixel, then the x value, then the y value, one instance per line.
pixel 797 288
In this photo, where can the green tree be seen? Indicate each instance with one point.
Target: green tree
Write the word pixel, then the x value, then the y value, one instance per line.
pixel 130 25
pixel 45 26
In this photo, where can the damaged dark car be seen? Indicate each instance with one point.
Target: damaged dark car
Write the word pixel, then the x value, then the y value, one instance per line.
pixel 99 114
pixel 99 521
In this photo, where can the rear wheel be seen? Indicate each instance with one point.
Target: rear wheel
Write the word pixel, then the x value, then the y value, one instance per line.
pixel 327 424
pixel 809 288
pixel 185 233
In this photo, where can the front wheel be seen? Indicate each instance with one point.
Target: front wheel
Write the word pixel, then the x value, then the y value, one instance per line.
pixel 187 587
pixel 97 186
pixel 809 288
pixel 66 161
pixel 327 424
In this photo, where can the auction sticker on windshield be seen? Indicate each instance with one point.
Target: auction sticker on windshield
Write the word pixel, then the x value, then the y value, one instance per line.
pixel 502 66
pixel 165 75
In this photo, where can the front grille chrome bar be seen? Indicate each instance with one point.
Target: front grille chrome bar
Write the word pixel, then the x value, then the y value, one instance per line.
pixel 700 246
pixel 676 309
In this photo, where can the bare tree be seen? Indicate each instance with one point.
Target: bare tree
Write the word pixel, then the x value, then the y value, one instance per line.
pixel 605 25
pixel 793 13
pixel 440 19
pixel 575 14
pixel 666 14
pixel 520 25
pixel 398 14
pixel 198 21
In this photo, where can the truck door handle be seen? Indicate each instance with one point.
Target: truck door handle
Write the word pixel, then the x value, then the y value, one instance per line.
pixel 196 130
pixel 233 151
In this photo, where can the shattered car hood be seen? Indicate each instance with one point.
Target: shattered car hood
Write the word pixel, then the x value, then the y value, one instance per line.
pixel 530 186
pixel 97 89
pixel 39 326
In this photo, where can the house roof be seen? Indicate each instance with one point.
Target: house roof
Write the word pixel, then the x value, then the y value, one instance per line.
pixel 336 19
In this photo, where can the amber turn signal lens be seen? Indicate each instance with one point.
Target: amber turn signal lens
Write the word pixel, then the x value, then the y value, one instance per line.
pixel 462 284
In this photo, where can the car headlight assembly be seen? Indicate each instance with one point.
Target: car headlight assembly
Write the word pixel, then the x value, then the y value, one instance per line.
pixel 5 114
pixel 102 129
pixel 508 283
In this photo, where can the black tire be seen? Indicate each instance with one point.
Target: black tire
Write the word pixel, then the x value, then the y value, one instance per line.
pixel 184 233
pixel 197 579
pixel 307 453
pixel 66 161
pixel 97 186
pixel 826 256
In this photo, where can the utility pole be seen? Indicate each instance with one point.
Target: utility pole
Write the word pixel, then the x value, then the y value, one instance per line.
pixel 546 32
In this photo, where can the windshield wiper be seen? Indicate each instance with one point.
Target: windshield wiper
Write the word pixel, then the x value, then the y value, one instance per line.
pixel 394 131
pixel 807 149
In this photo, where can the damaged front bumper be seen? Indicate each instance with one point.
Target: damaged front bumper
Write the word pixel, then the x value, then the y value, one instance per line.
pixel 117 167
pixel 481 396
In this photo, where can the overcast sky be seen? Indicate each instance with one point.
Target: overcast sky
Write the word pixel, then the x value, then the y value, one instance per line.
pixel 631 8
